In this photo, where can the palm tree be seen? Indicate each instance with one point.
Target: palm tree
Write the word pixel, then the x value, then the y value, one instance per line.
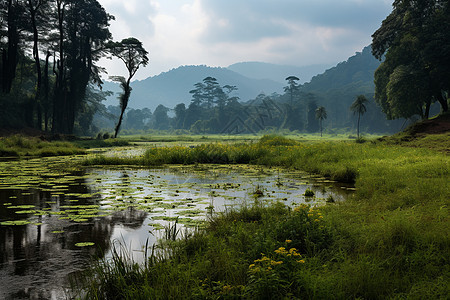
pixel 321 114
pixel 359 107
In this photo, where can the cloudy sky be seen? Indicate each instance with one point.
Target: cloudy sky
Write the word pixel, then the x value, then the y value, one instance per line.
pixel 223 32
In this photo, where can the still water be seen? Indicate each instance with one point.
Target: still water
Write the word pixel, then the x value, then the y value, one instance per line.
pixel 55 218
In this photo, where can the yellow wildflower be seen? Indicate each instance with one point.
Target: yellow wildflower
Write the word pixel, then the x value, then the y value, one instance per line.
pixel 301 261
pixel 288 241
pixel 275 263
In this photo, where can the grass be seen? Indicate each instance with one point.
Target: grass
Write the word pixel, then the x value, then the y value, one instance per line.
pixel 100 143
pixel 391 240
pixel 18 146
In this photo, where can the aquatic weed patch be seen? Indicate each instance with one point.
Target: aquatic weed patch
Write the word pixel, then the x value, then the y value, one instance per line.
pixel 388 241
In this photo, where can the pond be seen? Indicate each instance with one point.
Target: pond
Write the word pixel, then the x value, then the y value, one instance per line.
pixel 54 218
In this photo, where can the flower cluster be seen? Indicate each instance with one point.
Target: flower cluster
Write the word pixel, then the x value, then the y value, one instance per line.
pixel 263 264
pixel 281 256
pixel 314 214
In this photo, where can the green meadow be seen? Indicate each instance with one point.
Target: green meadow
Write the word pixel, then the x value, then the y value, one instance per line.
pixel 389 240
pixel 20 146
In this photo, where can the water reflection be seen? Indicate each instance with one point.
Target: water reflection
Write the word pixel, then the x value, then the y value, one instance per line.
pixel 61 208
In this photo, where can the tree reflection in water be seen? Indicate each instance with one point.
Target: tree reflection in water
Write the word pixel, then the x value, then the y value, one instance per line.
pixel 36 259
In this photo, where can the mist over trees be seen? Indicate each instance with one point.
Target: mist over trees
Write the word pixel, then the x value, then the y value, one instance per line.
pixel 217 107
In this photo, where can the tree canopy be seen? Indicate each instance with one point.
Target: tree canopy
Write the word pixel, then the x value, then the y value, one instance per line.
pixel 414 44
pixel 71 36
pixel 133 55
pixel 359 108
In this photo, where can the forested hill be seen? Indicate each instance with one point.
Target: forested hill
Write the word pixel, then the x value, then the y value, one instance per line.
pixel 338 87
pixel 358 70
pixel 172 87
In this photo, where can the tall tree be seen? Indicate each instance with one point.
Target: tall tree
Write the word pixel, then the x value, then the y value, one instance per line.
pixel 312 125
pixel 359 107
pixel 82 32
pixel 160 117
pixel 415 45
pixel 38 16
pixel 12 16
pixel 321 114
pixel 292 88
pixel 290 115
pixel 133 55
pixel 180 115
pixel 211 91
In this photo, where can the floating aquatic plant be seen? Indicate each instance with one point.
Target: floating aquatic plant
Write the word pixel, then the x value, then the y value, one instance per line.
pixel 85 244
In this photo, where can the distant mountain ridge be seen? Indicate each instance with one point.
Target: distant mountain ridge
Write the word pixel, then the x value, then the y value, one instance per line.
pixel 278 73
pixel 172 87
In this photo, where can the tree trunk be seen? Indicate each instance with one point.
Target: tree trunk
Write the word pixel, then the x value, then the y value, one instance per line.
pixel 427 110
pixel 321 128
pixel 46 86
pixel 442 101
pixel 10 56
pixel 119 124
pixel 37 61
pixel 126 94
pixel 357 129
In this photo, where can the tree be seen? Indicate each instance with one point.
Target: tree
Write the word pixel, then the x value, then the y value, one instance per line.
pixel 292 88
pixel 180 115
pixel 82 32
pixel 133 55
pixel 160 117
pixel 211 91
pixel 414 43
pixel 313 124
pixel 359 107
pixel 12 23
pixel 321 114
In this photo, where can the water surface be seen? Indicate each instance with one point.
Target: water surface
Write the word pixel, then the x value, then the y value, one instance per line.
pixel 54 218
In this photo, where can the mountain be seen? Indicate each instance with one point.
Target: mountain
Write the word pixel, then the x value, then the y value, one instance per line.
pixel 338 87
pixel 278 73
pixel 357 70
pixel 172 87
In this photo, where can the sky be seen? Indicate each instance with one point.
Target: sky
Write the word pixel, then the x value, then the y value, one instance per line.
pixel 219 33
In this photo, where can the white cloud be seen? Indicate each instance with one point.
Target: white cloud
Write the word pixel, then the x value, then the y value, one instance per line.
pixel 219 33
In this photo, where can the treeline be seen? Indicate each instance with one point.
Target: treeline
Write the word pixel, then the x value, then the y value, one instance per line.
pixel 214 108
pixel 49 55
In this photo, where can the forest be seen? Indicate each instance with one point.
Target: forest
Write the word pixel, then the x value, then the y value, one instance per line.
pixel 221 196
pixel 51 80
pixel 215 105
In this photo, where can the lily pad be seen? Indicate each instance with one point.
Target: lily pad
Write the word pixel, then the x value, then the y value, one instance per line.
pixel 15 223
pixel 22 206
pixel 85 244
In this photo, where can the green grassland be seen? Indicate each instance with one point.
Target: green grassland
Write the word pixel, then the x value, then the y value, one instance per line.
pixel 390 240
pixel 19 146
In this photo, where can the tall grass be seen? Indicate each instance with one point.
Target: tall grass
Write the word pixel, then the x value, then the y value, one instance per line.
pixel 390 240
pixel 19 145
